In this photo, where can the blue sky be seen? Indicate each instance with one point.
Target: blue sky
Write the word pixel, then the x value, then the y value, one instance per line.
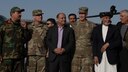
pixel 52 7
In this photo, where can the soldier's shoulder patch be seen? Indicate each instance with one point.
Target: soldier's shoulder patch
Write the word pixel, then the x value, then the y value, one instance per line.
pixel 8 22
pixel 92 23
pixel 45 27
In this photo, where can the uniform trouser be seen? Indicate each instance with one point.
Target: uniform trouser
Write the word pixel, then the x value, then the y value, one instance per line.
pixel 12 65
pixel 36 64
pixel 81 64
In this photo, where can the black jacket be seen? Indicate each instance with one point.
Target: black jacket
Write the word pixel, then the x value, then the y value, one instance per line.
pixel 68 42
pixel 113 38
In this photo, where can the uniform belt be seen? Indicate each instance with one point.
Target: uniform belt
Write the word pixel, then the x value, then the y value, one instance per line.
pixel 37 55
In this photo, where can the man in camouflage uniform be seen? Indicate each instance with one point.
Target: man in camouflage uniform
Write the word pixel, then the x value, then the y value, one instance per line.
pixel 36 49
pixel 13 35
pixel 82 61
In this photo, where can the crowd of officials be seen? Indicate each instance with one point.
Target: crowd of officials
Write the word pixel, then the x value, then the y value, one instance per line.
pixel 60 46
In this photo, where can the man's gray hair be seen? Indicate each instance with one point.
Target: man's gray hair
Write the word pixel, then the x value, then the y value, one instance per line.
pixel 124 11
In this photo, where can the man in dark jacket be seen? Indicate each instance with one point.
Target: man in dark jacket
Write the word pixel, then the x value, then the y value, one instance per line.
pixel 60 40
pixel 106 43
pixel 123 27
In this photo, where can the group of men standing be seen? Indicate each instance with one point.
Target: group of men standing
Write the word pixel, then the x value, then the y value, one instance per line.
pixel 107 41
pixel 75 47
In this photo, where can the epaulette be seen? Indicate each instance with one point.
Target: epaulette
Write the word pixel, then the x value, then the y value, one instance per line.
pixel 8 21
pixel 92 23
pixel 45 27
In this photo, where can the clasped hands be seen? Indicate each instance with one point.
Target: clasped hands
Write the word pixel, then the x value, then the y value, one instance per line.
pixel 59 51
pixel 104 47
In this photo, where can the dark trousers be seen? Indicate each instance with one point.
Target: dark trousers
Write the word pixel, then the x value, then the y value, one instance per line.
pixel 59 65
pixel 124 60
pixel 47 65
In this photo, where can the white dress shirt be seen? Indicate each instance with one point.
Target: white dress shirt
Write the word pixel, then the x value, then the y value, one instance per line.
pixel 105 66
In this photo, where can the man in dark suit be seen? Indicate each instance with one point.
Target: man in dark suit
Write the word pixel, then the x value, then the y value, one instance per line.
pixel 60 40
pixel 106 40
pixel 123 27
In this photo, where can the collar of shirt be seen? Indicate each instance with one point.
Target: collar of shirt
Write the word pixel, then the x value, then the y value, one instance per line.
pixel 60 27
pixel 104 26
pixel 36 25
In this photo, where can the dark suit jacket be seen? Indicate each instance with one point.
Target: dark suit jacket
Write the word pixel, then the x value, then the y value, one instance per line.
pixel 68 42
pixel 113 38
pixel 119 25
pixel 123 64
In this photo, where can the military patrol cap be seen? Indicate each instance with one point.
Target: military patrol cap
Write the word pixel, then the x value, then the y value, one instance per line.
pixel 37 12
pixel 16 9
pixel 102 14
pixel 83 10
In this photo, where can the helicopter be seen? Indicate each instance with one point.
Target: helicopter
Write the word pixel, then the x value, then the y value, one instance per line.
pixel 112 12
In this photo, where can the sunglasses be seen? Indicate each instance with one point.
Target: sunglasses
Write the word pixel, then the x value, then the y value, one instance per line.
pixel 48 23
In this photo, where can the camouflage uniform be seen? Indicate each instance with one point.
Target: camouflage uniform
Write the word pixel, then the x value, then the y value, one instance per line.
pixel 82 61
pixel 36 49
pixel 12 39
pixel 73 25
